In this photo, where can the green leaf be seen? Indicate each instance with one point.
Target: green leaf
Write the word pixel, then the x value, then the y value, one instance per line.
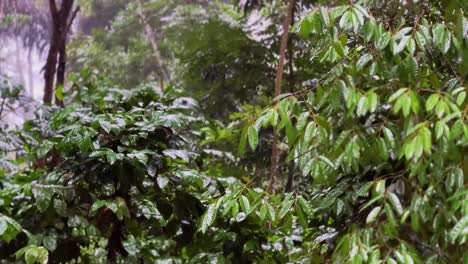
pixel 263 212
pixel 345 19
pixel 302 120
pixel 50 242
pixel 339 48
pixel 96 206
pixel 301 216
pixel 418 146
pixel 402 33
pixel 371 202
pixel 369 30
pixel 242 142
pixel 241 217
pixel 389 135
pixel 271 212
pixel 59 92
pixel 440 108
pixel 379 188
pixel 9 228
pixel 445 41
pixel 324 16
pixel 43 198
pixel 362 106
pixel 406 105
pixel 395 202
pixel 460 229
pixel 409 149
pixel 383 41
pixel 411 46
pixel 122 208
pixel 439 129
pixel 208 218
pixel 3 226
pixel 461 98
pixel 245 204
pixel 372 101
pixel 327 161
pixel 373 214
pixel 31 255
pixel 432 101
pixel 390 216
pixel 362 62
pixel 397 94
pixel 285 208
pixel 397 48
pixel 309 131
pixel 426 139
pixel 253 137
pixel 130 245
pixel 141 157
pixel 43 257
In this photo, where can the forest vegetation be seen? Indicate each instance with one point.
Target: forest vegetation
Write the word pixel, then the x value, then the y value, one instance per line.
pixel 235 131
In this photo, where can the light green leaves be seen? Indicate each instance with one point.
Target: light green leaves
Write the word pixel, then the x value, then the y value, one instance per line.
pixel 442 37
pixel 9 228
pixel 397 47
pixel 420 140
pixel 245 204
pixel 253 137
pixel 372 101
pixel 383 41
pixel 397 94
pixel 406 101
pixel 285 208
pixel 461 98
pixel 460 230
pixel 309 131
pixel 362 62
pixel 367 103
pixel 395 202
pixel 33 254
pixel 432 101
pixel 374 213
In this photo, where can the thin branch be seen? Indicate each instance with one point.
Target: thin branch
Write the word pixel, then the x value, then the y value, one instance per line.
pixel 279 77
pixel 67 29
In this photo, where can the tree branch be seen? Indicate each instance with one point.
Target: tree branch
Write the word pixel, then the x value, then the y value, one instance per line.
pixel 279 77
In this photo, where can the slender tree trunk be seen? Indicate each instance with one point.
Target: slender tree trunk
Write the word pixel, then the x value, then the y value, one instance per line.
pixel 51 63
pixel 291 82
pixel 61 22
pixel 279 77
pixel 163 71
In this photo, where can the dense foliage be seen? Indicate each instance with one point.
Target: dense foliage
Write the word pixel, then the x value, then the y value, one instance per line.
pixel 373 141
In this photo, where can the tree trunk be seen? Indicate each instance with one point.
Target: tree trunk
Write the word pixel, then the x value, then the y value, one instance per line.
pixel 49 69
pixel 61 22
pixel 291 83
pixel 163 72
pixel 279 77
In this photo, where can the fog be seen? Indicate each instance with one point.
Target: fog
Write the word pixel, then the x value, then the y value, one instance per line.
pixel 23 67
